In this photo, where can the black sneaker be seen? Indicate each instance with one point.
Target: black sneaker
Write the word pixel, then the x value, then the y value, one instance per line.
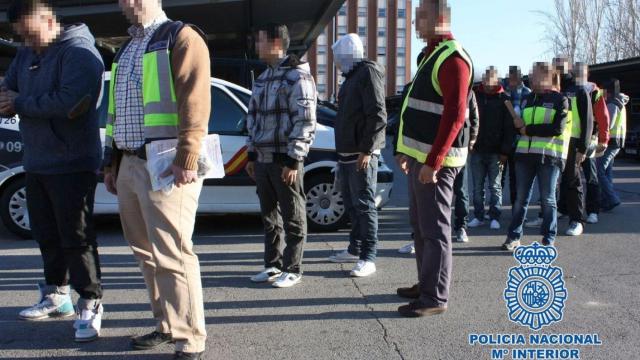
pixel 179 355
pixel 150 341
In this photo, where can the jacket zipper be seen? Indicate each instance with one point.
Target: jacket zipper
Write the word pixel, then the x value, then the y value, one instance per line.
pixel 535 102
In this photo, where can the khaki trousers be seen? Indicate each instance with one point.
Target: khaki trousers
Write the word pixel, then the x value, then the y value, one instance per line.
pixel 158 228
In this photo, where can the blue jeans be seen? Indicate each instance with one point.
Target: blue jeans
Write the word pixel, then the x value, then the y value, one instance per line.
pixel 608 196
pixel 548 174
pixel 358 192
pixel 462 200
pixel 483 166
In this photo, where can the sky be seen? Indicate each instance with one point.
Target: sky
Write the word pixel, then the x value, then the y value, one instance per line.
pixel 498 32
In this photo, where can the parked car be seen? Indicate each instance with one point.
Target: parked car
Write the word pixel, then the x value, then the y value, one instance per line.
pixel 235 193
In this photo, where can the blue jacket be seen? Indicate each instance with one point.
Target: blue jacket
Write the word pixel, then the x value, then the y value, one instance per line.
pixel 59 91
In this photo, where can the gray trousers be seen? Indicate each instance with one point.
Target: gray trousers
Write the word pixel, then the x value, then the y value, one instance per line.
pixel 283 208
pixel 430 215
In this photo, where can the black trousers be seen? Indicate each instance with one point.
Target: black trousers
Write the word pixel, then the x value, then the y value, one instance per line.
pixel 593 186
pixel 511 162
pixel 61 217
pixel 284 214
pixel 571 201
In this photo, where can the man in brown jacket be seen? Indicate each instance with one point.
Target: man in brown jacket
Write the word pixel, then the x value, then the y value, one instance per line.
pixel 160 88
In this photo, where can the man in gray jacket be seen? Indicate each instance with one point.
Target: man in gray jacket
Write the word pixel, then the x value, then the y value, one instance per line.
pixel 359 135
pixel 281 124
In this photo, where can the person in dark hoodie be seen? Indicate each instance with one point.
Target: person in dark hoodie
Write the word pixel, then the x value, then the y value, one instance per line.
pixel 359 136
pixel 491 150
pixel 54 84
pixel 571 199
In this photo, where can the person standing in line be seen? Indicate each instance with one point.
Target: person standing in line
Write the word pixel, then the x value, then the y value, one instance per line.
pixel 541 152
pixel 492 148
pixel 281 124
pixel 54 84
pixel 434 139
pixel 161 89
pixel 571 198
pixel 616 105
pixel 359 136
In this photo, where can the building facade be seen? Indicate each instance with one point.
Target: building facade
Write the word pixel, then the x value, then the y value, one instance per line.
pixel 385 28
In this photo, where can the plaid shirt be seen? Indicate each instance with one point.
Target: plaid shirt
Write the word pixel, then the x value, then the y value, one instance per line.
pixel 129 121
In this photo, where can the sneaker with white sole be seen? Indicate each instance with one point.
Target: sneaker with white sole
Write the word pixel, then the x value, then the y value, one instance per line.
pixel 287 280
pixel 510 244
pixel 461 236
pixel 363 268
pixel 54 302
pixel 343 257
pixel 575 229
pixel 487 217
pixel 495 225
pixel 592 218
pixel 407 249
pixel 475 223
pixel 534 224
pixel 268 274
pixel 89 320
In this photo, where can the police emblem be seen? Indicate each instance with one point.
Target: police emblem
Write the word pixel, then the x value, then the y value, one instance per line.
pixel 535 292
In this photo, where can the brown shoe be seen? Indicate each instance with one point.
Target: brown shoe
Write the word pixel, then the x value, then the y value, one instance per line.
pixel 416 309
pixel 410 292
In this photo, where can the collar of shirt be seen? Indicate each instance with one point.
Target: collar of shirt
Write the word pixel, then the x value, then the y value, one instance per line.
pixel 140 31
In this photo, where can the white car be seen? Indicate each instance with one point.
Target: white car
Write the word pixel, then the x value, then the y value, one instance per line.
pixel 235 193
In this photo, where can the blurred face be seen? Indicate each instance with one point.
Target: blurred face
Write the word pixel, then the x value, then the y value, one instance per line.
pixel 581 73
pixel 268 49
pixel 541 78
pixel 562 65
pixel 514 80
pixel 490 79
pixel 39 28
pixel 427 19
pixel 140 11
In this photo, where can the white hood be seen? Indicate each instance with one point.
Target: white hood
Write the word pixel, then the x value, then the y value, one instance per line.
pixel 347 52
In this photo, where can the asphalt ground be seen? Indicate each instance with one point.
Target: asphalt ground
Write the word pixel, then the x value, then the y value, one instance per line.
pixel 332 316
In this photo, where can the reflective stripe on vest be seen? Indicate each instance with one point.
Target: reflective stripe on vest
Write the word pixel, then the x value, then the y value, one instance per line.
pixel 158 98
pixel 456 157
pixel 557 146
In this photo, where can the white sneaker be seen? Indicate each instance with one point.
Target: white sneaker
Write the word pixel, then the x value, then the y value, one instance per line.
pixel 269 274
pixel 487 217
pixel 50 305
pixel 510 244
pixel 407 249
pixel 287 280
pixel 592 218
pixel 343 257
pixel 495 225
pixel 575 229
pixel 534 224
pixel 461 236
pixel 363 269
pixel 89 322
pixel 475 223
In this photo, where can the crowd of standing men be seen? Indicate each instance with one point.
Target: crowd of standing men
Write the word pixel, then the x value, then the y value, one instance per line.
pixel 160 89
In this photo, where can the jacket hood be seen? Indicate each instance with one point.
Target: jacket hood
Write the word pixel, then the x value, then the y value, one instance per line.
pixel 622 99
pixel 499 90
pixel 75 34
pixel 292 61
pixel 347 52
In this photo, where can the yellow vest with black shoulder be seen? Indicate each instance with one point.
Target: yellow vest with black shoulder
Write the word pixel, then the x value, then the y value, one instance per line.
pixel 619 126
pixel 556 146
pixel 158 91
pixel 423 107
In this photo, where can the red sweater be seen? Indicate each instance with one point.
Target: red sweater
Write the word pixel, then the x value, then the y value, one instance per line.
pixel 454 83
pixel 601 113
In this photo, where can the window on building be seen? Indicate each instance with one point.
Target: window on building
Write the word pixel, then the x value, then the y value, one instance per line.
pixel 402 13
pixel 322 50
pixel 382 50
pixel 362 31
pixel 322 88
pixel 343 10
pixel 382 32
pixel 342 30
pixel 401 52
pixel 322 69
pixel 402 33
pixel 382 13
pixel 362 11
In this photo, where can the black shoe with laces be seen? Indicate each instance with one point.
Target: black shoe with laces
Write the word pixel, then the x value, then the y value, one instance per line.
pixel 150 341
pixel 179 355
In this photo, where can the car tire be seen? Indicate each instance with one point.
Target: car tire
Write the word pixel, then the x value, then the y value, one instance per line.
pixel 13 208
pixel 325 207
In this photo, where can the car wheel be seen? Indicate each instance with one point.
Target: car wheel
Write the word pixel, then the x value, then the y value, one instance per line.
pixel 325 208
pixel 13 209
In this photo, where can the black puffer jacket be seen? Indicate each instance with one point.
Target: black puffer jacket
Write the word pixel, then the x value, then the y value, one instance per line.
pixel 496 125
pixel 362 116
